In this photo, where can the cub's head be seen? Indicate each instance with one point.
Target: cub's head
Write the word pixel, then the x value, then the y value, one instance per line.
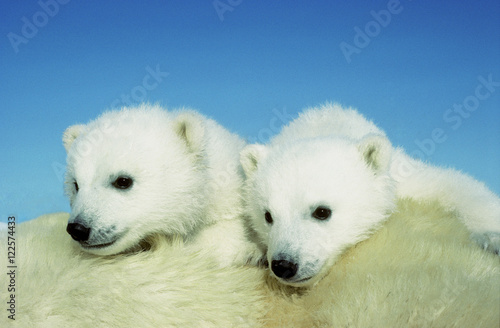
pixel 131 173
pixel 310 200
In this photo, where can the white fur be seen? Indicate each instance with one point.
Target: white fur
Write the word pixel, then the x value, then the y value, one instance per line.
pixel 334 158
pixel 186 178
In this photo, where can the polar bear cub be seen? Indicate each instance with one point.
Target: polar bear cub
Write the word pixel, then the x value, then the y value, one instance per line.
pixel 144 170
pixel 331 178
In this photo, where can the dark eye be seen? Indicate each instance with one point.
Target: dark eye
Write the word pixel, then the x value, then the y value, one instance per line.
pixel 322 213
pixel 76 186
pixel 122 183
pixel 269 218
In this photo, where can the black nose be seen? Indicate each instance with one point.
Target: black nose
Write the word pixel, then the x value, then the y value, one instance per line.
pixel 78 231
pixel 284 269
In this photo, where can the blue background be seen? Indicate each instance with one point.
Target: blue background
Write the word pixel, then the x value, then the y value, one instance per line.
pixel 250 65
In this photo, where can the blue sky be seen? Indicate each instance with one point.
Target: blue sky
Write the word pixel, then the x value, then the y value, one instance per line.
pixel 427 72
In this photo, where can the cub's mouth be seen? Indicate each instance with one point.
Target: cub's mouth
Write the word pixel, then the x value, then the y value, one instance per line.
pixel 304 280
pixel 97 246
pixel 297 283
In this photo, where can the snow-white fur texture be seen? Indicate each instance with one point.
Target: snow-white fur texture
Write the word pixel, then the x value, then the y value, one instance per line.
pixel 331 178
pixel 144 170
pixel 418 270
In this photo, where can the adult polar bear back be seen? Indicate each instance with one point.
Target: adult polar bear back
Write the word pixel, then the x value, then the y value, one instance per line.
pixel 138 171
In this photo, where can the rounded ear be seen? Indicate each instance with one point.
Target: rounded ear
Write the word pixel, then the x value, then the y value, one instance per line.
pixel 70 134
pixel 376 151
pixel 189 126
pixel 250 156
